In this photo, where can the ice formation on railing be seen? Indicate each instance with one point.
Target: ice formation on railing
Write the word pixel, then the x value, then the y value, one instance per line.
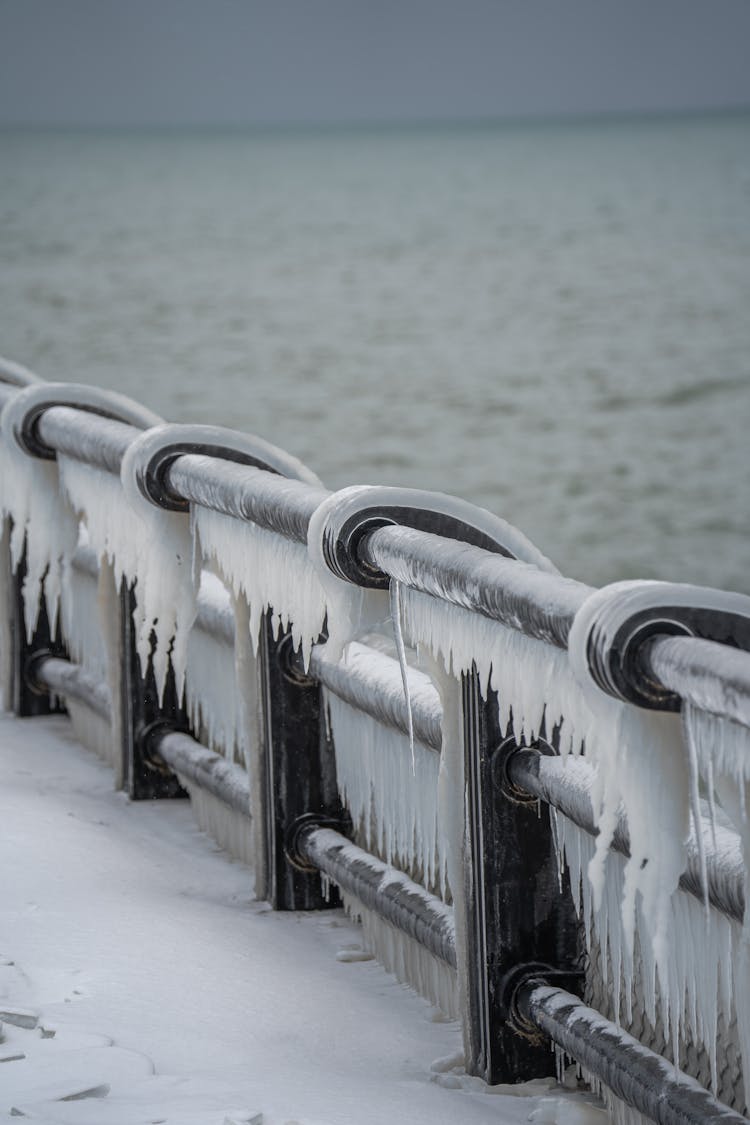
pixel 532 679
pixel 269 572
pixel 42 522
pixel 722 751
pixel 685 1002
pixel 211 697
pixel 145 545
pixel 393 803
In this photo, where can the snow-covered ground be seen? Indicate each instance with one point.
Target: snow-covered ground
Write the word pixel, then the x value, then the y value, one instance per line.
pixel 154 988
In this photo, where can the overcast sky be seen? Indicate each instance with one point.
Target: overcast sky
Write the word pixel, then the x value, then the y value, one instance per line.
pixel 298 61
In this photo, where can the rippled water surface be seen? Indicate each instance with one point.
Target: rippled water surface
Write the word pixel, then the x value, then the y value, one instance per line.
pixel 552 321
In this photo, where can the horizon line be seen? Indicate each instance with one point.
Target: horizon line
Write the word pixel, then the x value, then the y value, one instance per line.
pixel 366 123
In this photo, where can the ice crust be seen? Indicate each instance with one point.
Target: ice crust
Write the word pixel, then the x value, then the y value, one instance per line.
pixel 689 965
pixel 269 572
pixel 392 798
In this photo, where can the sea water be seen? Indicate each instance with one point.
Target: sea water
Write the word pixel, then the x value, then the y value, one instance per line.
pixel 550 320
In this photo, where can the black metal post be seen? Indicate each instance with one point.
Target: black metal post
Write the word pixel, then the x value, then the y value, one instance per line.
pixel 31 699
pixel 517 908
pixel 144 777
pixel 300 771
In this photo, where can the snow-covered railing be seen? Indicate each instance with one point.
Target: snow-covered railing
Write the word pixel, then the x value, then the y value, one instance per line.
pixel 374 690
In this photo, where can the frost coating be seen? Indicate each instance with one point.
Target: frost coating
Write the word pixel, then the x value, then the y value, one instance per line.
pixel 702 974
pixel 30 493
pixel 210 694
pixel 145 546
pixel 269 572
pixel 409 961
pixel 393 806
pixel 722 751
pixel 532 679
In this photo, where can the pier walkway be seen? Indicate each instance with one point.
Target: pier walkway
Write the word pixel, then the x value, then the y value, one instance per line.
pixel 174 996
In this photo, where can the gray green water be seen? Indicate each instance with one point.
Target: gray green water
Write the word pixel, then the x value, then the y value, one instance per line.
pixel 550 320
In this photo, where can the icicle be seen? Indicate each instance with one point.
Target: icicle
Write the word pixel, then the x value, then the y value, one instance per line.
pixel 395 592
pixel 393 800
pixel 268 572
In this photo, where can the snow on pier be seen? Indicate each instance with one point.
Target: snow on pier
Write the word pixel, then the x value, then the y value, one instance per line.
pixel 159 989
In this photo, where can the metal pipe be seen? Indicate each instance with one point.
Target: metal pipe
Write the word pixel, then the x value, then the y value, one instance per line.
pixel 637 1076
pixel 267 499
pixel 538 604
pixel 566 782
pixel 382 889
pixel 63 677
pixel 371 681
pixel 714 677
pixel 517 594
pixel 86 437
pixel 203 767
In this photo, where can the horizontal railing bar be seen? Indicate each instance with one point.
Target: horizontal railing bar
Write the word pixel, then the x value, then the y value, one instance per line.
pixel 537 603
pixel 261 497
pixel 517 594
pixel 371 681
pixel 86 437
pixel 215 619
pixel 382 889
pixel 566 784
pixel 638 1076
pixel 206 769
pixel 712 676
pixel 64 677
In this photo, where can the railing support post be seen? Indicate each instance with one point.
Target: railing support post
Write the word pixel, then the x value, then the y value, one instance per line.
pixel 299 771
pixel 144 777
pixel 28 699
pixel 518 910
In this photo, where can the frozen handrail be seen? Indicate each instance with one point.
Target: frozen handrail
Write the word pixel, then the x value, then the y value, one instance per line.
pixel 379 887
pixel 55 675
pixel 713 677
pixel 371 682
pixel 538 604
pixel 641 1078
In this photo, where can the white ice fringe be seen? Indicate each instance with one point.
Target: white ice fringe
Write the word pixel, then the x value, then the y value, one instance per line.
pixel 409 961
pixel 229 828
pixel 722 750
pixel 532 679
pixel 148 546
pixel 6 638
pixel 394 807
pixel 31 494
pixel 700 982
pixel 269 572
pixel 81 622
pixel 210 693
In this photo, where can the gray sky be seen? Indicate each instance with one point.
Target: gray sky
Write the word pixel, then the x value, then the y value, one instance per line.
pixel 288 61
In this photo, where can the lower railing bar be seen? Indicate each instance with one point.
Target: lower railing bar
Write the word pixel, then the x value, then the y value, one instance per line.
pixel 63 677
pixel 206 769
pixel 644 1080
pixel 565 783
pixel 382 889
pixel 712 676
pixel 371 681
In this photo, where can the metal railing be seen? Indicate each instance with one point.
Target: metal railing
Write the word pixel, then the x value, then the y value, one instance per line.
pixel 519 954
